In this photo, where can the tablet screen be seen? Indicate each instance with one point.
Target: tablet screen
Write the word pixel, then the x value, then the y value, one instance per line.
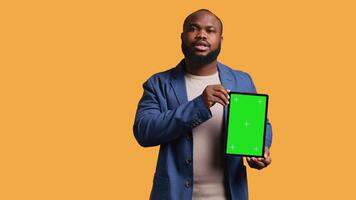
pixel 247 114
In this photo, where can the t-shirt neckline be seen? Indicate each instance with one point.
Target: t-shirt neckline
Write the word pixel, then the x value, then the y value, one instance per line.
pixel 202 77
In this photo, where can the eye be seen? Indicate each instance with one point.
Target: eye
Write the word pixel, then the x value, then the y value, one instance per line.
pixel 211 31
pixel 192 28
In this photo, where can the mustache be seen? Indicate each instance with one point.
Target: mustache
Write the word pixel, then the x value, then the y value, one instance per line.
pixel 201 42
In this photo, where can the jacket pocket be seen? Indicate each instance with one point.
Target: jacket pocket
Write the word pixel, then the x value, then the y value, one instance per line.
pixel 160 188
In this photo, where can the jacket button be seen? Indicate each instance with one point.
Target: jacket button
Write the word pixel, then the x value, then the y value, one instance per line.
pixel 188 161
pixel 188 184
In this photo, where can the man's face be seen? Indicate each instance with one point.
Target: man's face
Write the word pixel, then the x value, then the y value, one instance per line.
pixel 201 38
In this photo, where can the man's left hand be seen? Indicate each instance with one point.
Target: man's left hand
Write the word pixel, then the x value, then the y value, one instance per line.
pixel 260 163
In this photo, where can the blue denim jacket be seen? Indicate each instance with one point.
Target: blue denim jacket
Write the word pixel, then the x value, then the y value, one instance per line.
pixel 165 117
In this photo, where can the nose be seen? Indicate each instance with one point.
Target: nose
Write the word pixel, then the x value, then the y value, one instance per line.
pixel 201 35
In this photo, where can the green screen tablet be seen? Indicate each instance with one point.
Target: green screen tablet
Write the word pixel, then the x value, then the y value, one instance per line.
pixel 247 114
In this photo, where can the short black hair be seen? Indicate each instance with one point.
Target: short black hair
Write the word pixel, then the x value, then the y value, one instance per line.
pixel 203 10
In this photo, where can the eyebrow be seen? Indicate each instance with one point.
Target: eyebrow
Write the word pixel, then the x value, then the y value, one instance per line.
pixel 197 25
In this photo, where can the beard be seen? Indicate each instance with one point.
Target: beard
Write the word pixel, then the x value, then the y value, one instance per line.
pixel 198 59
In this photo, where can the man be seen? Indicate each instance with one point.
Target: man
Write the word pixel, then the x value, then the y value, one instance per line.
pixel 184 110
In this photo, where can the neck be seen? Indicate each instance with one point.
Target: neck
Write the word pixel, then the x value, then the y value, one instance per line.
pixel 201 69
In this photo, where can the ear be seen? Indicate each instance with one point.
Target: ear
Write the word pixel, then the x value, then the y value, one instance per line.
pixel 221 37
pixel 181 36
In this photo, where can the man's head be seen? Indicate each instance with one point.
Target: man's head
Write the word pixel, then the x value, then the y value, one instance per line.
pixel 201 37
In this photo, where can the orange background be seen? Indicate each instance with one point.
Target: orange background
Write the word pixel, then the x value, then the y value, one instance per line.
pixel 71 74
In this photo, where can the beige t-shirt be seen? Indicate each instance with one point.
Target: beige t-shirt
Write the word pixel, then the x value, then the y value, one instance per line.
pixel 207 154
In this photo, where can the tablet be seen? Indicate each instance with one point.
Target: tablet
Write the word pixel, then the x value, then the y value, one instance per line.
pixel 246 126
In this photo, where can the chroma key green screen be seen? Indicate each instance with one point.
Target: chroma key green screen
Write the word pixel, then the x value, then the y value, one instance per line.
pixel 247 114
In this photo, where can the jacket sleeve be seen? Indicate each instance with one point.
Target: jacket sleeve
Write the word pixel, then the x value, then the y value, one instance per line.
pixel 153 127
pixel 268 137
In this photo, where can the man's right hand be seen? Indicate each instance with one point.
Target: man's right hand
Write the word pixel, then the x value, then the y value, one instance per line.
pixel 215 93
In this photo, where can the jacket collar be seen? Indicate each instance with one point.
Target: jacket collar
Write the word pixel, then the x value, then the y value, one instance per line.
pixel 178 81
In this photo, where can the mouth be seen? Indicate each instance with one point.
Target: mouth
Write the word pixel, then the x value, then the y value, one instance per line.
pixel 201 46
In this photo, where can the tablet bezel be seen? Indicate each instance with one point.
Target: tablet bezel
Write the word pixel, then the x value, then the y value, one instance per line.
pixel 228 119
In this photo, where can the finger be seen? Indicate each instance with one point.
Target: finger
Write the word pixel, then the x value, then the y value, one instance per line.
pixel 267 160
pixel 259 164
pixel 250 162
pixel 256 165
pixel 267 153
pixel 221 89
pixel 221 96
pixel 258 160
pixel 226 93
pixel 216 99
